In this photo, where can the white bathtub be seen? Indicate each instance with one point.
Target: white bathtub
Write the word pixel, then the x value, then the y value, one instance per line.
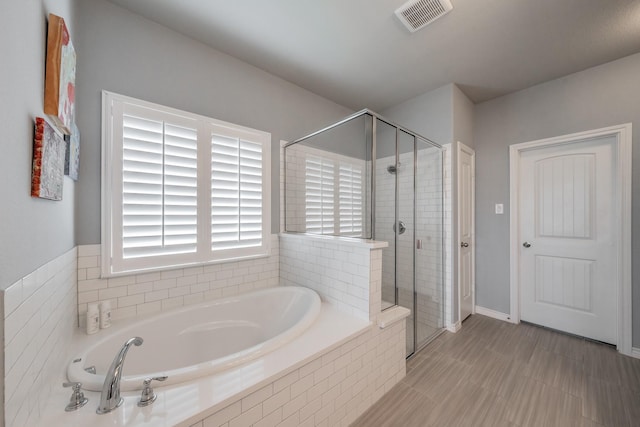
pixel 200 340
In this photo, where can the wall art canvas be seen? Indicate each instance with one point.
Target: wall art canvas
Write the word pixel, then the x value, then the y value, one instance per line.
pixel 72 156
pixel 48 162
pixel 60 76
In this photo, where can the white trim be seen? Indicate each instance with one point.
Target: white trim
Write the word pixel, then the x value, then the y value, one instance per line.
pixel 454 327
pixel 460 147
pixel 493 314
pixel 635 352
pixel 623 155
pixel 113 262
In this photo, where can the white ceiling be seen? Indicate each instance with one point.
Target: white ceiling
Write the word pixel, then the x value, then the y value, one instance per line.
pixel 356 52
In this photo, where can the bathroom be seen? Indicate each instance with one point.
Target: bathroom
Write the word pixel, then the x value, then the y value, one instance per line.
pixel 57 244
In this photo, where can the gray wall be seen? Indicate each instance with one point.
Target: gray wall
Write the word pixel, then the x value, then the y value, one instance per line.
pixel 463 113
pixel 127 54
pixel 601 96
pixel 33 231
pixel 429 114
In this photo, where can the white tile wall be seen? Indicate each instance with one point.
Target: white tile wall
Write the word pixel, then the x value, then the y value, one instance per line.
pixel 149 293
pixel 39 320
pixel 448 236
pixel 337 269
pixel 331 391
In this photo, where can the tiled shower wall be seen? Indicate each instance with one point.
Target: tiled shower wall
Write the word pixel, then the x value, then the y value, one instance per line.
pixel 148 293
pixel 430 300
pixel 39 321
pixel 448 234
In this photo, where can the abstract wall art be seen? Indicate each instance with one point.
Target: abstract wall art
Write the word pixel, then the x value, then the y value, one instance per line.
pixel 48 162
pixel 72 156
pixel 60 76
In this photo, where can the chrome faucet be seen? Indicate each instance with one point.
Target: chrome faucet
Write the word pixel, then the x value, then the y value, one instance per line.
pixel 110 398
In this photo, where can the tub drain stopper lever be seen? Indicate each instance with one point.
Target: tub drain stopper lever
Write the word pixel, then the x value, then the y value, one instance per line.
pixel 148 395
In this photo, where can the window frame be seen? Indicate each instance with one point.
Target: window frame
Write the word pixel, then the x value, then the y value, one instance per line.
pixel 112 262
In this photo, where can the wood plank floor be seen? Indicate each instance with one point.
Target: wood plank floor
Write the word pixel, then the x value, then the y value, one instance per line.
pixel 493 373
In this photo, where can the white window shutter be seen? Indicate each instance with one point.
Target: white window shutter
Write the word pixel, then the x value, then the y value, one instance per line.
pixel 319 195
pixel 160 166
pixel 236 193
pixel 350 199
pixel 159 200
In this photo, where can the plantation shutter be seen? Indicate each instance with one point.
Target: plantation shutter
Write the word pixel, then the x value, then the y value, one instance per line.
pixel 350 199
pixel 319 195
pixel 159 188
pixel 236 193
pixel 180 189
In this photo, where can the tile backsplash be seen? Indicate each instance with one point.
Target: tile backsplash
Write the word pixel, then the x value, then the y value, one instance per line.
pixel 147 293
pixel 39 320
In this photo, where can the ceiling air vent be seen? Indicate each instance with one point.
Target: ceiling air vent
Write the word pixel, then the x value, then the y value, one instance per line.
pixel 417 14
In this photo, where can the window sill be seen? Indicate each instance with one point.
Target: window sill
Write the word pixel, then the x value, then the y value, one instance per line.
pixel 267 254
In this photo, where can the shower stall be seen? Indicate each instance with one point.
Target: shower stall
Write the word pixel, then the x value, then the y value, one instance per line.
pixel 366 177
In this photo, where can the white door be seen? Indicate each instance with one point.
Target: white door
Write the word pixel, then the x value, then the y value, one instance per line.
pixel 568 278
pixel 466 268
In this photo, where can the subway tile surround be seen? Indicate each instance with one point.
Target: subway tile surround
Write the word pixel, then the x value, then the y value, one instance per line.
pixel 38 327
pixel 333 388
pixel 336 387
pixel 345 273
pixel 448 236
pixel 148 293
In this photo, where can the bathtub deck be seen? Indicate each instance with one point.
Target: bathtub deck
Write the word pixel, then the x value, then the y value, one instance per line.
pixel 184 404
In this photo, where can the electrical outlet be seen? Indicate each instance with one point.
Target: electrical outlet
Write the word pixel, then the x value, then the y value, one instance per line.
pixel 499 208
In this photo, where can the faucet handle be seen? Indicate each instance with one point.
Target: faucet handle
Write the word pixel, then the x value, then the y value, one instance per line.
pixel 77 399
pixel 148 395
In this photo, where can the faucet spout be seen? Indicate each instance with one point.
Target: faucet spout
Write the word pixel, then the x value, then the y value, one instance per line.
pixel 110 397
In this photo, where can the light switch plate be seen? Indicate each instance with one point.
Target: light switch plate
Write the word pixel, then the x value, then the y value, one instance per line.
pixel 499 208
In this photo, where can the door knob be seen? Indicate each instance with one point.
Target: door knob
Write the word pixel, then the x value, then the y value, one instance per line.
pixel 464 245
pixel 526 244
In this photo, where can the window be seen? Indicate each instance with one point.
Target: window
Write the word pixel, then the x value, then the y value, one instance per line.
pixel 319 195
pixel 180 189
pixel 350 199
pixel 333 196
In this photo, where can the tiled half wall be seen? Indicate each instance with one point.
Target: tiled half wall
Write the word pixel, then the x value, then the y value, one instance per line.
pixel 331 391
pixel 346 273
pixel 38 327
pixel 338 386
pixel 148 293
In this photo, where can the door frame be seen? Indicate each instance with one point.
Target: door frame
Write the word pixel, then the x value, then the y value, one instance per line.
pixel 623 135
pixel 471 152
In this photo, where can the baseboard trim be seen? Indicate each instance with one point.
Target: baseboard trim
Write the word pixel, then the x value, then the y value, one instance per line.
pixel 493 314
pixel 454 327
pixel 635 352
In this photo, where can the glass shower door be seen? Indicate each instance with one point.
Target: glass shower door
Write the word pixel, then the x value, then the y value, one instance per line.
pixel 404 231
pixel 429 282
pixel 408 215
pixel 385 207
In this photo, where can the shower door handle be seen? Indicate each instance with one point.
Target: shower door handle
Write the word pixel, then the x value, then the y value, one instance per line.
pixel 401 227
